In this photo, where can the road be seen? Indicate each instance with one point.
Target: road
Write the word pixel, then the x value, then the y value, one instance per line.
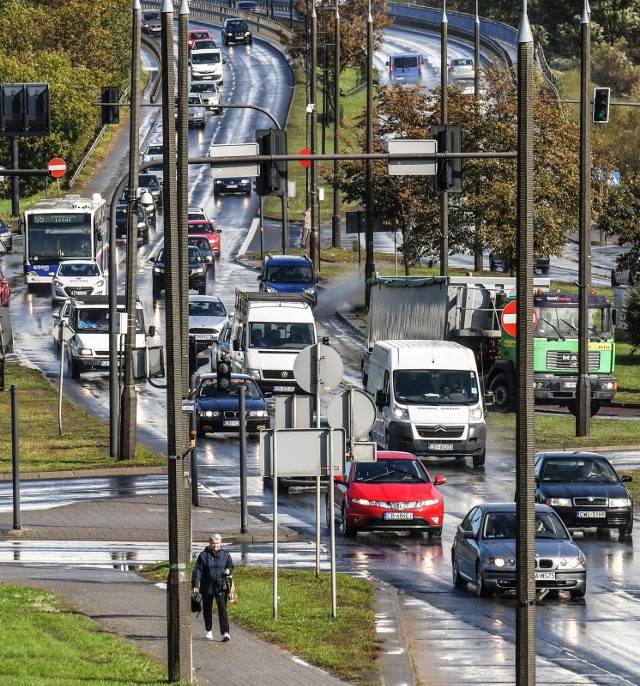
pixel 597 636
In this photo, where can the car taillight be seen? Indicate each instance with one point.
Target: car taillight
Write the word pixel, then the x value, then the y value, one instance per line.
pixel 451 69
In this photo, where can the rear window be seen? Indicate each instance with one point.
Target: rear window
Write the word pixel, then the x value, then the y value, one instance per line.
pixel 405 62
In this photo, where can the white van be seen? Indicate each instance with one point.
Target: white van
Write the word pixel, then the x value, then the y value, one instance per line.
pixel 428 399
pixel 206 65
pixel 268 331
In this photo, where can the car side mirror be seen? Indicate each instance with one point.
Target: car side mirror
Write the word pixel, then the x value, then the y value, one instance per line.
pixel 339 478
pixel 318 279
pixel 218 230
pixel 382 399
pixel 626 478
pixel 259 277
pixel 152 331
pixel 235 344
pixel 468 534
pixel 439 480
pixel 325 340
pixel 224 61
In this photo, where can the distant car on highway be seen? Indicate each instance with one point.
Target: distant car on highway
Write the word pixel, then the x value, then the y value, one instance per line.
pixel 209 92
pixel 499 263
pixel 202 243
pixel 208 229
pixel 461 68
pixel 405 67
pixel 196 35
pixel 76 279
pixel 248 6
pixel 197 272
pixel 207 317
pixel 152 184
pixel 585 490
pixel 237 184
pixel 151 22
pixel 195 110
pixel 236 30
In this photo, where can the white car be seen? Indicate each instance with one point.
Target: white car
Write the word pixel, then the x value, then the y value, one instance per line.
pixel 207 317
pixel 209 93
pixel 154 153
pixel 461 68
pixel 78 278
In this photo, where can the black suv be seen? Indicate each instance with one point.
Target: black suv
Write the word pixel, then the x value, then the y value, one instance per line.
pixel 122 210
pixel 236 31
pixel 197 272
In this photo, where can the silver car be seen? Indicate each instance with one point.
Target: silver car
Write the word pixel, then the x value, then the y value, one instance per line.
pixel 209 92
pixel 461 68
pixel 484 552
pixel 6 237
pixel 207 316
pixel 195 110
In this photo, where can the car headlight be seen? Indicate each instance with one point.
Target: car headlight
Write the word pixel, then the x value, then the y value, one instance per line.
pixel 361 501
pixel 558 502
pixel 476 414
pixel 57 283
pixel 572 562
pixel 253 373
pixel 401 413
pixel 427 503
pixel 309 291
pixel 99 284
pixel 158 270
pixel 502 562
pixel 271 289
pixel 85 352
pixel 198 270
pixel 258 413
pixel 210 413
pixel 619 502
pixel 609 385
pixel 247 34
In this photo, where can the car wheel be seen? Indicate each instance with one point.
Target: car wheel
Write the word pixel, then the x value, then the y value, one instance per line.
pixel 595 407
pixel 202 290
pixel 156 289
pixel 626 530
pixel 481 589
pixel 347 529
pixel 435 533
pixel 327 512
pixel 545 270
pixel 201 432
pixel 75 370
pixel 502 396
pixel 479 460
pixel 492 265
pixel 578 593
pixel 145 237
pixel 458 581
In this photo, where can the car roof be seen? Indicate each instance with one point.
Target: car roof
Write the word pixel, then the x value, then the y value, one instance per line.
pixel 511 507
pixel 213 375
pixel 576 454
pixel 205 298
pixel 287 259
pixel 395 455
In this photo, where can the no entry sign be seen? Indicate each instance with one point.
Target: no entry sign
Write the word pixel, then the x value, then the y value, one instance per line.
pixel 509 318
pixel 57 167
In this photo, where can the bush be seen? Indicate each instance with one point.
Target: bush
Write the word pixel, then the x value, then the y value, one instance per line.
pixel 632 317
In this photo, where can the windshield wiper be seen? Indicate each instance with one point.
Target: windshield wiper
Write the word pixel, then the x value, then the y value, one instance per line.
pixel 571 326
pixel 560 336
pixel 398 471
pixel 599 334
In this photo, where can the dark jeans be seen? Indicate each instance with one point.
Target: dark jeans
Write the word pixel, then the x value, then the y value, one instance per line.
pixel 207 611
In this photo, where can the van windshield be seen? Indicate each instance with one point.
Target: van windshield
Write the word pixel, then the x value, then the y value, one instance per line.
pixel 435 387
pixel 205 57
pixel 281 336
pixel 290 274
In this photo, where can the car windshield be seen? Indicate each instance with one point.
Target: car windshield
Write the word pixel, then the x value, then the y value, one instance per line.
pixel 151 16
pixel 290 274
pixel 503 525
pixel 149 180
pixel 205 57
pixel 154 150
pixel 194 255
pixel 390 472
pixel 205 44
pixel 69 269
pixel 203 87
pixel 204 227
pixel 200 35
pixel 202 244
pixel 206 308
pixel 195 100
pixel 435 387
pixel 97 320
pixel 209 389
pixel 237 25
pixel 281 335
pixel 578 469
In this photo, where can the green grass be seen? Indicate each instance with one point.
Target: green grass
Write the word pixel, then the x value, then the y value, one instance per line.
pixel 346 645
pixel 628 374
pixel 45 641
pixel 84 443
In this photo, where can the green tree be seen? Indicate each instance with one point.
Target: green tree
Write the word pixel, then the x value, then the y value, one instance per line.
pixel 632 316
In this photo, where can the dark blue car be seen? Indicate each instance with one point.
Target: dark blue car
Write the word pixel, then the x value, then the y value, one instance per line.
pixel 218 410
pixel 289 274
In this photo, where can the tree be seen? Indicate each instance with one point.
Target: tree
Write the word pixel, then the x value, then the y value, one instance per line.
pixel 632 316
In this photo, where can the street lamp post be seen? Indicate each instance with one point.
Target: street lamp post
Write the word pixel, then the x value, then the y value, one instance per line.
pixel 369 266
pixel 335 222
pixel 444 195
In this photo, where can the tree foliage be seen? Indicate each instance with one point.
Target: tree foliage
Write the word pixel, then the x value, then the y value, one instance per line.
pixel 485 212
pixel 632 316
pixel 74 48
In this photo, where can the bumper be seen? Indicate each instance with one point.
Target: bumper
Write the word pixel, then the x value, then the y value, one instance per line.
pixel 221 425
pixel 63 294
pixel 373 520
pixel 550 387
pixel 575 580
pixel 89 364
pixel 401 437
pixel 613 519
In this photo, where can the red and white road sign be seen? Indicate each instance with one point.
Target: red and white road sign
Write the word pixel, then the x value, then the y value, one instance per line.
pixel 510 318
pixel 57 167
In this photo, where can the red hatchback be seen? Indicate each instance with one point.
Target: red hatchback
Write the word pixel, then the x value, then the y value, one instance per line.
pixel 206 228
pixel 197 34
pixel 393 493
pixel 5 290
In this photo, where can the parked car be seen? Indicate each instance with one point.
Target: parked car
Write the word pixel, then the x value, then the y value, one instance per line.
pixel 237 184
pixel 196 35
pixel 122 215
pixel 151 22
pixel 484 552
pixel 248 6
pixel 207 317
pixel 499 263
pixel 202 243
pixel 209 93
pixel 5 290
pixel 461 68
pixel 393 493
pixel 76 279
pixel 6 237
pixel 236 30
pixel 197 272
pixel 148 204
pixel 585 490
pixel 152 184
pixel 195 110
pixel 218 410
pixel 208 229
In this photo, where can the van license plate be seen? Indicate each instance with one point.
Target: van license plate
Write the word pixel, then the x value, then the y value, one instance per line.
pixel 439 446
pixel 591 514
pixel 284 389
pixel 545 576
pixel 397 515
pixel 231 422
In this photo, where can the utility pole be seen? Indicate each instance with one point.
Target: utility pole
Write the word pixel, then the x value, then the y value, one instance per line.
pixel 525 438
pixel 313 113
pixel 179 656
pixel 478 253
pixel 444 195
pixel 335 222
pixel 583 391
pixel 129 403
pixel 369 265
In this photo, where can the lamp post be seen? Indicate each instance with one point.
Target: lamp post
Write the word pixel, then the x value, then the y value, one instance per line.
pixel 478 261
pixel 444 195
pixel 312 109
pixel 335 221
pixel 369 266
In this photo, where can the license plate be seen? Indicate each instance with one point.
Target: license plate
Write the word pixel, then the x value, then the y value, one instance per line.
pixel 203 336
pixel 439 446
pixel 545 576
pixel 397 515
pixel 284 389
pixel 231 422
pixel 591 514
pixel 232 185
pixel 104 363
pixel 569 384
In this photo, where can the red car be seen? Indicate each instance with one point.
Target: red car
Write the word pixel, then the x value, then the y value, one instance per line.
pixel 5 290
pixel 206 228
pixel 197 34
pixel 394 493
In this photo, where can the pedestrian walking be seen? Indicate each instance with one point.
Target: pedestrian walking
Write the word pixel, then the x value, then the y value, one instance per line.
pixel 212 565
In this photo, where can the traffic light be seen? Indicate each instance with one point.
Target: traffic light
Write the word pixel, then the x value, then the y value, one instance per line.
pixel 110 109
pixel 223 370
pixel 601 105
pixel 273 175
pixel 448 176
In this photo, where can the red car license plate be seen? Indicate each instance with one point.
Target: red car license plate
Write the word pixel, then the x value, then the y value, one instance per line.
pixel 397 515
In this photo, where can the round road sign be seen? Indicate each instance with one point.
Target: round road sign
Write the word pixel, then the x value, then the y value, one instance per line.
pixel 318 368
pixel 305 151
pixel 509 318
pixel 57 167
pixel 352 410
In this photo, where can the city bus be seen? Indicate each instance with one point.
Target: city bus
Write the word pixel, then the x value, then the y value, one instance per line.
pixel 56 229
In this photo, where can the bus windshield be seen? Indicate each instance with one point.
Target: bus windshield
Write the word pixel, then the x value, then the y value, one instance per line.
pixel 53 236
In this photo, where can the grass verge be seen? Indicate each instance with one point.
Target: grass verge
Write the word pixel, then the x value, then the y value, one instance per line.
pixel 346 645
pixel 84 443
pixel 45 641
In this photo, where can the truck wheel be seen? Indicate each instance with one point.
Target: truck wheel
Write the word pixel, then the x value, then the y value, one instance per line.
pixel 75 370
pixel 502 395
pixel 478 460
pixel 595 407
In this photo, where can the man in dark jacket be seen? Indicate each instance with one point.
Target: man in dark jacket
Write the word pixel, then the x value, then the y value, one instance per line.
pixel 212 565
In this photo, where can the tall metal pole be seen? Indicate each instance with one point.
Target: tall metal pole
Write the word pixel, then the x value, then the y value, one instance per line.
pixel 478 256
pixel 525 445
pixel 129 401
pixel 15 456
pixel 313 112
pixel 335 220
pixel 244 516
pixel 583 399
pixel 178 608
pixel 444 195
pixel 369 266
pixel 15 180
